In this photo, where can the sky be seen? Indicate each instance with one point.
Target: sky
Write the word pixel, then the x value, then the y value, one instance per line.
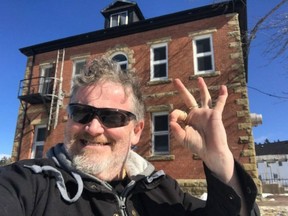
pixel 30 22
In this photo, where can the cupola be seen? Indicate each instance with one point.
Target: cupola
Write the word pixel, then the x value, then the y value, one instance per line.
pixel 121 12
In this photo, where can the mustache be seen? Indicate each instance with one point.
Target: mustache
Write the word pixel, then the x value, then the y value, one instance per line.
pixel 97 139
pixel 89 138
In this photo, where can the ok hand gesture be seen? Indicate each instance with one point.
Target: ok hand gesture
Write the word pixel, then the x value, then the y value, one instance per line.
pixel 204 132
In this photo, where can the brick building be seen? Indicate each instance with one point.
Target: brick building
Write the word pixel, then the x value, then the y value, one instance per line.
pixel 208 41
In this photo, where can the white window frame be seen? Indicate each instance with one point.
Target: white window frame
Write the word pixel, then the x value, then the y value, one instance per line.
pixel 75 62
pixel 157 62
pixel 121 62
pixel 37 143
pixel 155 133
pixel 119 18
pixel 45 81
pixel 203 54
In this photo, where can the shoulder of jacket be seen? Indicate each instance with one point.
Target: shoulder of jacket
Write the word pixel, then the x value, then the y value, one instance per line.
pixel 22 164
pixel 157 178
pixel 39 162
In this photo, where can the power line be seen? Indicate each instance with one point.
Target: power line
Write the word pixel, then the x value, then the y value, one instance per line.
pixel 268 94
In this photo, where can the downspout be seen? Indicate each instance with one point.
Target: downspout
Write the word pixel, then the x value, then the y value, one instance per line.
pixel 25 109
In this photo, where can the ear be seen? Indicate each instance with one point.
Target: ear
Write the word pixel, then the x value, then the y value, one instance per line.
pixel 138 128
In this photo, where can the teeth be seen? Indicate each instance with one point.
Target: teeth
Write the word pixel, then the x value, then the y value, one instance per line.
pixel 86 142
pixel 97 143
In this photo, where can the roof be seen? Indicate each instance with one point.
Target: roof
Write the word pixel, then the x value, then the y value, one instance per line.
pixel 238 6
pixel 118 4
pixel 275 148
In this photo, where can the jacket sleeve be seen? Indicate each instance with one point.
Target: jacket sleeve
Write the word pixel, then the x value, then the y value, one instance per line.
pixel 223 200
pixel 12 198
pixel 20 190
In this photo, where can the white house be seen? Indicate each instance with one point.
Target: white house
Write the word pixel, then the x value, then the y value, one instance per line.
pixel 272 162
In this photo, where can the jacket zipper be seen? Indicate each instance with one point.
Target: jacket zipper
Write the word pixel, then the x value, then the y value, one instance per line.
pixel 122 198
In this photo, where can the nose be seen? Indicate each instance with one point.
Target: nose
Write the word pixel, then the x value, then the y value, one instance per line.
pixel 94 127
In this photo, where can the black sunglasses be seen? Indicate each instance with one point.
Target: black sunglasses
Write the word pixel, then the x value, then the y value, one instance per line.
pixel 109 117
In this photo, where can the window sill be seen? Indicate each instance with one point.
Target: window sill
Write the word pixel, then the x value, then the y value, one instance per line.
pixel 157 82
pixel 212 74
pixel 160 157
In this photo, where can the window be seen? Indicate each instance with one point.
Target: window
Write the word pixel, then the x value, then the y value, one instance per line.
pixel 119 19
pixel 46 80
pixel 203 54
pixel 122 61
pixel 160 133
pixel 78 66
pixel 40 135
pixel 159 62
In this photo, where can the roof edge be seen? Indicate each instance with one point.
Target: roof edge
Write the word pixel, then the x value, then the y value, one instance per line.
pixel 194 14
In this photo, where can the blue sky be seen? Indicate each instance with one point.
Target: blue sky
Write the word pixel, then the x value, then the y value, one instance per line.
pixel 30 22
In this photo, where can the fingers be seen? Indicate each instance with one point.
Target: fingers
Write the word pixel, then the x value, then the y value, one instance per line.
pixel 185 94
pixel 223 94
pixel 206 101
pixel 178 115
pixel 175 117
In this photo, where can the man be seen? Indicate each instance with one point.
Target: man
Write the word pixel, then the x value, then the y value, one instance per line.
pixel 95 172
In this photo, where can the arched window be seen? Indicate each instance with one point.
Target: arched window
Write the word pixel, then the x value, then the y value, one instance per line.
pixel 122 61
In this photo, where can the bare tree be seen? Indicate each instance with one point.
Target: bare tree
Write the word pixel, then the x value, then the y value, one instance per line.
pixel 5 161
pixel 275 25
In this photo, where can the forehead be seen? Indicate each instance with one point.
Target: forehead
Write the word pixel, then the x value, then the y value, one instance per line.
pixel 104 92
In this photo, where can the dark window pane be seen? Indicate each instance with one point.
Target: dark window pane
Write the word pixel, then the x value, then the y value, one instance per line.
pixel 118 19
pixel 39 151
pixel 160 70
pixel 47 86
pixel 161 123
pixel 122 19
pixel 123 67
pixel 203 45
pixel 161 143
pixel 122 60
pixel 48 72
pixel 159 53
pixel 46 82
pixel 41 134
pixel 119 58
pixel 114 20
pixel 79 66
pixel 204 63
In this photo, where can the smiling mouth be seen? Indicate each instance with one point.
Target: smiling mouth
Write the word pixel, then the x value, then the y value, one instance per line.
pixel 93 143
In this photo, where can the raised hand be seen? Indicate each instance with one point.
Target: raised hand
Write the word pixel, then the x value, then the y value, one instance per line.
pixel 203 131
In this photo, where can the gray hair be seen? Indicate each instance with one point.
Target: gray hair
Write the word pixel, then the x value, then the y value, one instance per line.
pixel 102 69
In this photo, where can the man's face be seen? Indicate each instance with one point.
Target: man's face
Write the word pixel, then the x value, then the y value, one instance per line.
pixel 94 148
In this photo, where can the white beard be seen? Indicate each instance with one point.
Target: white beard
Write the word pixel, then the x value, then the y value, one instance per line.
pixel 84 164
pixel 89 162
pixel 103 169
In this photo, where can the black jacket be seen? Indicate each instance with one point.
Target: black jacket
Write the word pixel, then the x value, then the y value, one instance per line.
pixel 52 187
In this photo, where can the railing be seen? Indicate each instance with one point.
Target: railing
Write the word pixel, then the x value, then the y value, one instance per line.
pixel 280 181
pixel 36 85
